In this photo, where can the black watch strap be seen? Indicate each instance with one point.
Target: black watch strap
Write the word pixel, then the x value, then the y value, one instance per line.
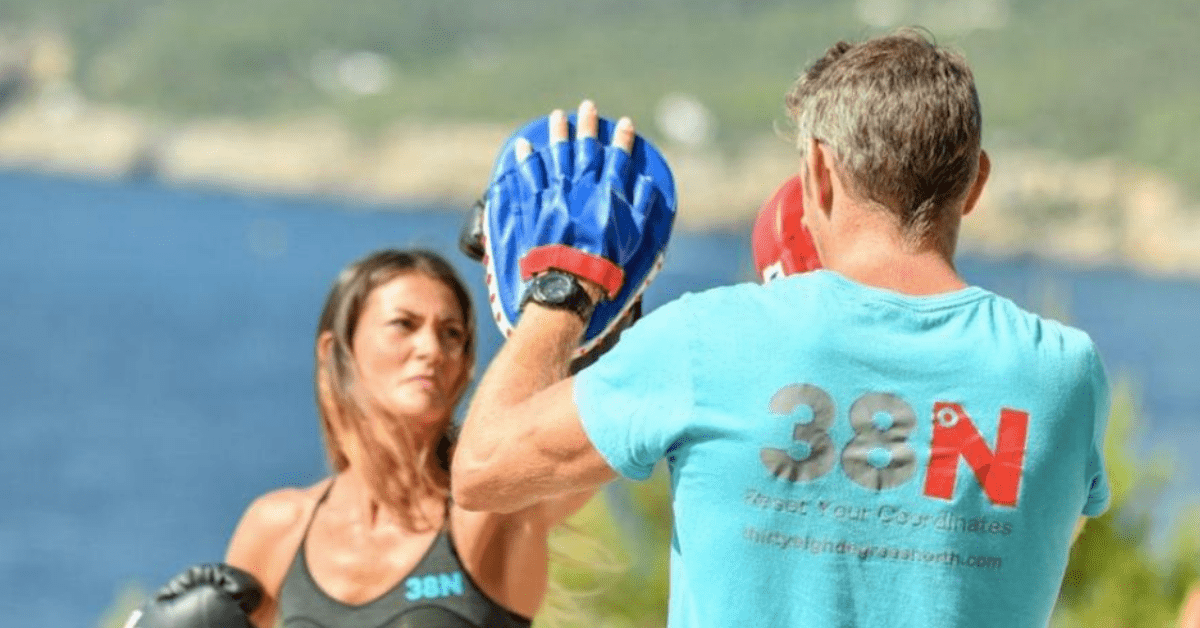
pixel 562 291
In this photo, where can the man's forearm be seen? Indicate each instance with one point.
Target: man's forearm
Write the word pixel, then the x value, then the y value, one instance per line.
pixel 536 355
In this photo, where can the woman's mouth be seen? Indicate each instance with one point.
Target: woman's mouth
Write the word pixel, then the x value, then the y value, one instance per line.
pixel 424 381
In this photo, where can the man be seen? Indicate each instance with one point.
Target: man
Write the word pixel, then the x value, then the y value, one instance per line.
pixel 872 444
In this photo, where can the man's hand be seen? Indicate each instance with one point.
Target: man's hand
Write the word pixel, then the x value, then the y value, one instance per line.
pixel 522 441
pixel 582 195
pixel 588 130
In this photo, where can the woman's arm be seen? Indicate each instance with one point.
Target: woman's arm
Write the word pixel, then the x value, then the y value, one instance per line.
pixel 266 540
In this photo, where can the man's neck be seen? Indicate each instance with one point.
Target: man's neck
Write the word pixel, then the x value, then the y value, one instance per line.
pixel 868 248
pixel 891 267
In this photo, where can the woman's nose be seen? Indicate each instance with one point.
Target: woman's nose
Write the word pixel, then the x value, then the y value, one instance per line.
pixel 427 343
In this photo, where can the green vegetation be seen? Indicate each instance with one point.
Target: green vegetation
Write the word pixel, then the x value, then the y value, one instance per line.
pixel 1116 579
pixel 1090 79
pixel 129 598
pixel 630 544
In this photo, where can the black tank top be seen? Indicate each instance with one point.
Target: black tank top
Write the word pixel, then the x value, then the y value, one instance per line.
pixel 437 593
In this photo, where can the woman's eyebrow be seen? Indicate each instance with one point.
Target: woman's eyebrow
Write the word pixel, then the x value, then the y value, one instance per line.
pixel 400 310
pixel 403 311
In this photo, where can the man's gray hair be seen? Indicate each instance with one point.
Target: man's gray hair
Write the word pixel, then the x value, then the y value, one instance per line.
pixel 901 117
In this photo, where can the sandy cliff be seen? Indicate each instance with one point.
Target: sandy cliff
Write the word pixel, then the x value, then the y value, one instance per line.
pixel 1097 212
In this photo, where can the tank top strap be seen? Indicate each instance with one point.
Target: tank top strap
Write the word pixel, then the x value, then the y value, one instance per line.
pixel 313 515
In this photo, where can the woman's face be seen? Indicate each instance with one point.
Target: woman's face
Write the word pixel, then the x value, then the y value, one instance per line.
pixel 409 346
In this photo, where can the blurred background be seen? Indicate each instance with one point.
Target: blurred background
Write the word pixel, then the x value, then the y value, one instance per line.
pixel 181 180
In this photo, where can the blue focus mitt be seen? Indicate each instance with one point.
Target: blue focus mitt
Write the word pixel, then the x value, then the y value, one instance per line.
pixel 581 206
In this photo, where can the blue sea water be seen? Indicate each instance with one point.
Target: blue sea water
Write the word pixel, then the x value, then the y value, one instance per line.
pixel 157 355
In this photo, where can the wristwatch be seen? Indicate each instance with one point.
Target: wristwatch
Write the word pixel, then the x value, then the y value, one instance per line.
pixel 561 291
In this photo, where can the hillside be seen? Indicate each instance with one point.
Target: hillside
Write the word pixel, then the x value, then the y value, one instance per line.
pixel 387 100
pixel 1108 77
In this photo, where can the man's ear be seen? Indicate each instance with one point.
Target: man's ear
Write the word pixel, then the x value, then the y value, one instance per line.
pixel 819 166
pixel 985 169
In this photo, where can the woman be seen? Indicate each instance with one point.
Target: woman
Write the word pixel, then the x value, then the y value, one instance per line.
pixel 379 543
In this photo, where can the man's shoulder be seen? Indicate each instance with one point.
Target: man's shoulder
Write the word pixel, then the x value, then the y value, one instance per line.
pixel 743 294
pixel 1070 346
pixel 720 305
pixel 1047 326
pixel 730 293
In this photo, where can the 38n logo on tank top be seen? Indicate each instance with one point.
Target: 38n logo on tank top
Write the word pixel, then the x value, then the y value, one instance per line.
pixel 433 586
pixel 879 456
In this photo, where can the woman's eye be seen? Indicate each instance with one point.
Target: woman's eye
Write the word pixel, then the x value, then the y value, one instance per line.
pixel 407 324
pixel 455 335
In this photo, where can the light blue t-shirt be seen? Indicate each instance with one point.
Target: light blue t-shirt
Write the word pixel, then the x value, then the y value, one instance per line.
pixel 844 456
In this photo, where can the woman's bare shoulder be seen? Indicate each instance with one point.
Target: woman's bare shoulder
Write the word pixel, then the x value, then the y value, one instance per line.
pixel 282 509
pixel 271 528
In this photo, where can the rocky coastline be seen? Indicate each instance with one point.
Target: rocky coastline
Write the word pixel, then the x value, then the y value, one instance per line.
pixel 1095 213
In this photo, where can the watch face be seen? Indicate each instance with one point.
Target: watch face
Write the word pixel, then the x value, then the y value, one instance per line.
pixel 554 288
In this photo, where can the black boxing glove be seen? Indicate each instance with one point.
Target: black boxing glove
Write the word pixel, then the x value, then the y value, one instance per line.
pixel 205 596
pixel 470 235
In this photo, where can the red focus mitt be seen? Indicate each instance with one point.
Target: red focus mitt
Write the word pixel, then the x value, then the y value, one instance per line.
pixel 780 242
